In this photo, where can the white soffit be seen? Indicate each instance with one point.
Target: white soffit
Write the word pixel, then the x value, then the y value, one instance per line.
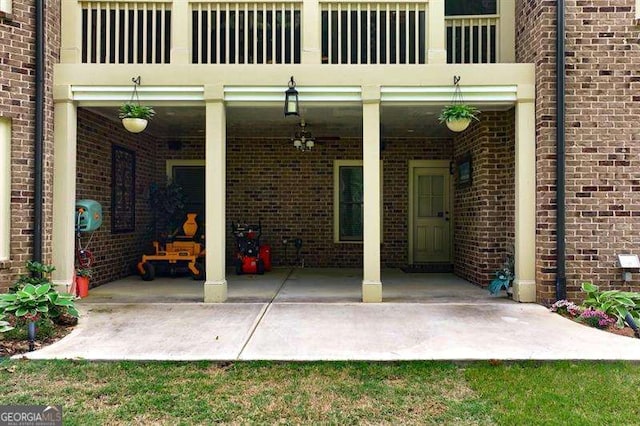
pixel 233 94
pixel 98 94
pixel 498 95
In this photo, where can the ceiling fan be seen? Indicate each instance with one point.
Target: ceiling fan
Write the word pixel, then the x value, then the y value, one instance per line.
pixel 303 140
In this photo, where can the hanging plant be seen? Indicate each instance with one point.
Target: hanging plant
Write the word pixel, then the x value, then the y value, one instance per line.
pixel 458 115
pixel 134 116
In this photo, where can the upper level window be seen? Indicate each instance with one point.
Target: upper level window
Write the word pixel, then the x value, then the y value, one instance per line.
pixel 470 7
pixel 5 187
pixel 5 6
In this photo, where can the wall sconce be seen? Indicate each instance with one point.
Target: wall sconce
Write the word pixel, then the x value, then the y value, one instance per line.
pixel 291 99
pixel 628 262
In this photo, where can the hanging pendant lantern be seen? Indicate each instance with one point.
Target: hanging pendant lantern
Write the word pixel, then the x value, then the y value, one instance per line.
pixel 291 99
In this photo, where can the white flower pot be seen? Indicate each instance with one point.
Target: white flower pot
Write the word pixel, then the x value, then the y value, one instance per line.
pixel 134 125
pixel 458 125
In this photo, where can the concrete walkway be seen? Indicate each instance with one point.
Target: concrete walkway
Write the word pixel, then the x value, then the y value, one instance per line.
pixel 447 319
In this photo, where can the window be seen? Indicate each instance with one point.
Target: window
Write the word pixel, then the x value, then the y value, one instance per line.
pixel 466 7
pixel 637 9
pixel 5 187
pixel 349 200
pixel 5 6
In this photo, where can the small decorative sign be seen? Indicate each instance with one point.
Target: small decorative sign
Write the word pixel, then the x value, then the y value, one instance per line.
pixel 465 170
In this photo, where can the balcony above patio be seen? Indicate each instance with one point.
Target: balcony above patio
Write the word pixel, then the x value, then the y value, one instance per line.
pixel 319 32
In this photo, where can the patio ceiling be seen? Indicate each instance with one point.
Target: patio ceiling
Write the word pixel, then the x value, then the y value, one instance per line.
pixel 323 120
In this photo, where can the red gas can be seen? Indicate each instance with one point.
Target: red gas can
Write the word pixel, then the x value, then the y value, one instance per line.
pixel 265 255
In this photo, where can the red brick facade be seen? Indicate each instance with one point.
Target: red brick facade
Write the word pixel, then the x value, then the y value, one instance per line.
pixel 115 255
pixel 17 102
pixel 292 192
pixel 603 129
pixel 484 211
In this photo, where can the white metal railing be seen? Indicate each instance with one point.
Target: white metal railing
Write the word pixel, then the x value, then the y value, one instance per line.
pixel 473 39
pixel 374 33
pixel 126 32
pixel 246 33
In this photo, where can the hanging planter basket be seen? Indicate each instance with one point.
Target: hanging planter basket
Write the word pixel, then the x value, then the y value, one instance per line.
pixel 134 116
pixel 458 115
pixel 135 125
pixel 458 124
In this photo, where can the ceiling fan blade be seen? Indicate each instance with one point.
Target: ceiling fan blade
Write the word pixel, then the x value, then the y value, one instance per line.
pixel 328 138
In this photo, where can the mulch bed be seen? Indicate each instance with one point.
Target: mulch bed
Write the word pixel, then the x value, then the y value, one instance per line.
pixel 625 331
pixel 9 348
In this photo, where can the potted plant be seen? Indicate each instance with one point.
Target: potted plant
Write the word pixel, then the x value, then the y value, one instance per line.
pixel 135 117
pixel 458 116
pixel 82 281
pixel 504 277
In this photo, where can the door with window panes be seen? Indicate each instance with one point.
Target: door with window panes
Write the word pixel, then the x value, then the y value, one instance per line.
pixel 431 216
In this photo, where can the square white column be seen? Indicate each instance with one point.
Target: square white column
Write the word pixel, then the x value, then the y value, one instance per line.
pixel 64 191
pixel 524 287
pixel 371 282
pixel 215 286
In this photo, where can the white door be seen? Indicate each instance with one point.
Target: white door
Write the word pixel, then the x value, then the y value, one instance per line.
pixel 431 215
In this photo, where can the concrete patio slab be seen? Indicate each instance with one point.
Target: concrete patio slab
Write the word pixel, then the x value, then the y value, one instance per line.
pixel 452 331
pixel 316 314
pixel 157 332
pixel 241 289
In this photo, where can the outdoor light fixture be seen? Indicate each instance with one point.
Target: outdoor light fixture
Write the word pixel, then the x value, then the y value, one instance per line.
pixel 628 263
pixel 291 99
pixel 302 139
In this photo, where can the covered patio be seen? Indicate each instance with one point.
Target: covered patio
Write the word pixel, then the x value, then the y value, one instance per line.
pixel 298 285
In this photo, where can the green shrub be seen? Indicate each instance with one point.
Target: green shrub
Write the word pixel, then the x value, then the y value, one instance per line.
pixel 34 301
pixel 614 303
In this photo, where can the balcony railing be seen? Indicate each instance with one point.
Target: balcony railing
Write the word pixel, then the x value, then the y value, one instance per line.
pixel 374 33
pixel 281 32
pixel 245 33
pixel 472 39
pixel 126 33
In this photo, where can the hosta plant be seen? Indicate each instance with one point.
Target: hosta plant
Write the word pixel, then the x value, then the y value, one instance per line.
pixel 614 303
pixel 34 301
pixel 4 325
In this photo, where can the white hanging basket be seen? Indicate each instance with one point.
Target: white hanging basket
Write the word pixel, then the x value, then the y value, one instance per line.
pixel 134 125
pixel 458 125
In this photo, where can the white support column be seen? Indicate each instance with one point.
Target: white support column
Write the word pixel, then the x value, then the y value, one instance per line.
pixel 215 286
pixel 311 32
pixel 507 42
pixel 71 32
pixel 524 287
pixel 371 282
pixel 64 186
pixel 180 32
pixel 436 28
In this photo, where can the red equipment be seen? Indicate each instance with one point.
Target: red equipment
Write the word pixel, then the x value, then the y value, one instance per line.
pixel 250 256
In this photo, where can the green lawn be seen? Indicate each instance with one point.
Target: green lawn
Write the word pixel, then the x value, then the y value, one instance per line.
pixel 329 393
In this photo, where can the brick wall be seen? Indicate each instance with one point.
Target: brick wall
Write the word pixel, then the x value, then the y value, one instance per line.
pixel 17 102
pixel 114 254
pixel 292 192
pixel 484 210
pixel 602 121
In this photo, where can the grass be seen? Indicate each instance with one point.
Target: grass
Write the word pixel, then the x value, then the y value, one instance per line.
pixel 327 393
